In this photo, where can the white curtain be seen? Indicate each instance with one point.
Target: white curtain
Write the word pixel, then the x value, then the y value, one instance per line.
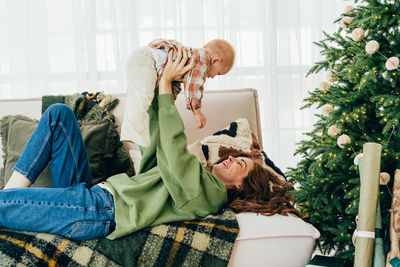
pixel 64 46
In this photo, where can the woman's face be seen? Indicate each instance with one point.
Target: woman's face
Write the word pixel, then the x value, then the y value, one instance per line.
pixel 232 171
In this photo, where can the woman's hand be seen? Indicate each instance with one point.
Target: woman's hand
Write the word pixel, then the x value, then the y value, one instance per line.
pixel 175 69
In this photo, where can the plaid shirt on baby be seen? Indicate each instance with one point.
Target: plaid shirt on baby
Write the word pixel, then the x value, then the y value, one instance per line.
pixel 193 79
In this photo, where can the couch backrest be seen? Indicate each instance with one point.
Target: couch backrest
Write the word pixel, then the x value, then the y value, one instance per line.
pixel 219 106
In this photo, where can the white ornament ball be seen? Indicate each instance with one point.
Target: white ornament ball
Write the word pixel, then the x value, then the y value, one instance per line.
pixel 345 21
pixel 357 159
pixel 326 109
pixel 349 9
pixel 384 178
pixel 384 75
pixel 392 63
pixel 324 86
pixel 333 131
pixel 371 47
pixel 343 140
pixel 357 34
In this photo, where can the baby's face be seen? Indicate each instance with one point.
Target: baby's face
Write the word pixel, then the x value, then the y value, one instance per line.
pixel 217 68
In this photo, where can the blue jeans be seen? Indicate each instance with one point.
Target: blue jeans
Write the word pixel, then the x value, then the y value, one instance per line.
pixel 72 208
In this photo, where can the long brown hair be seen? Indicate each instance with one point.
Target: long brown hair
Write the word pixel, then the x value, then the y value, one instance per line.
pixel 262 192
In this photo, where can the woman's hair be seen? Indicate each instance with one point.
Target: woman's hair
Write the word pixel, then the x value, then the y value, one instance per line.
pixel 262 192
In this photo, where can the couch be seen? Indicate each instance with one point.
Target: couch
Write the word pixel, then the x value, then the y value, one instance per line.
pixel 262 241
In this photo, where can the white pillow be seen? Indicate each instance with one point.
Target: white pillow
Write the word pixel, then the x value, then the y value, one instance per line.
pixel 276 241
pixel 253 225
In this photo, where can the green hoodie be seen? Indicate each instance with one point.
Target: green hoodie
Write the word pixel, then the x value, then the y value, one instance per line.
pixel 172 185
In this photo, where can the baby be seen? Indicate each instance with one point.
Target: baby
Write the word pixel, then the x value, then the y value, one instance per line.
pixel 144 69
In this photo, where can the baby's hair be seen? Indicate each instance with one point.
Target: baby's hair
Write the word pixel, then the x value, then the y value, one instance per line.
pixel 222 49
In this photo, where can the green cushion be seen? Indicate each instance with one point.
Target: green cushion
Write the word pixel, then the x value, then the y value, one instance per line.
pixel 100 138
pixel 15 132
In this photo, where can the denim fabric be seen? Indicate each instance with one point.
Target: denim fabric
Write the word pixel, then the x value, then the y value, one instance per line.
pixel 71 208
pixel 59 139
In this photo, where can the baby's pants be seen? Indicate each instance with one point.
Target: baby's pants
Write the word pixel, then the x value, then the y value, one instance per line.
pixel 141 79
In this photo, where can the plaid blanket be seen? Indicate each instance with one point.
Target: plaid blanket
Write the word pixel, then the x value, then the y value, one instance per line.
pixel 205 242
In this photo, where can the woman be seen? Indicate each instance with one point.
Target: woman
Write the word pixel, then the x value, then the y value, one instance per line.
pixel 171 185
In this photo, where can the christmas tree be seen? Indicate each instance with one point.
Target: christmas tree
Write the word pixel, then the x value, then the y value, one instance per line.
pixel 359 103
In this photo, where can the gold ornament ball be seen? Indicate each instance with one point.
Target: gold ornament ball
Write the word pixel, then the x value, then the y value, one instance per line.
pixel 349 10
pixel 333 131
pixel 324 86
pixel 357 158
pixel 345 21
pixel 327 109
pixel 357 34
pixel 392 63
pixel 371 47
pixel 384 178
pixel 343 140
pixel 329 76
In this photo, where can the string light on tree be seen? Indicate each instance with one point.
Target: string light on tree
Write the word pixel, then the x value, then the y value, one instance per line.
pixel 372 47
pixel 357 79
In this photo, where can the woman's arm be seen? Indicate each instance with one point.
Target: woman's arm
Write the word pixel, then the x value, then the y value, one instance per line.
pixel 172 72
pixel 180 170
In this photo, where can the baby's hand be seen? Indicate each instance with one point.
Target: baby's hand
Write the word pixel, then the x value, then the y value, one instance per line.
pixel 200 118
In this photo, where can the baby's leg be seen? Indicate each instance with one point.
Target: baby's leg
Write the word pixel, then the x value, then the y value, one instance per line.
pixel 141 79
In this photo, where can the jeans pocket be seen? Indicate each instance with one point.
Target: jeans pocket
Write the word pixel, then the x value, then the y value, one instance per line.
pixel 111 212
pixel 89 230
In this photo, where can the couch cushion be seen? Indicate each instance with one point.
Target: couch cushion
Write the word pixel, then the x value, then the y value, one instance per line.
pixel 277 240
pixel 254 226
pixel 15 131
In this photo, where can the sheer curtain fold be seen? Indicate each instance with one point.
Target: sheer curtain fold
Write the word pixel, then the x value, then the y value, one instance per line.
pixel 64 46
